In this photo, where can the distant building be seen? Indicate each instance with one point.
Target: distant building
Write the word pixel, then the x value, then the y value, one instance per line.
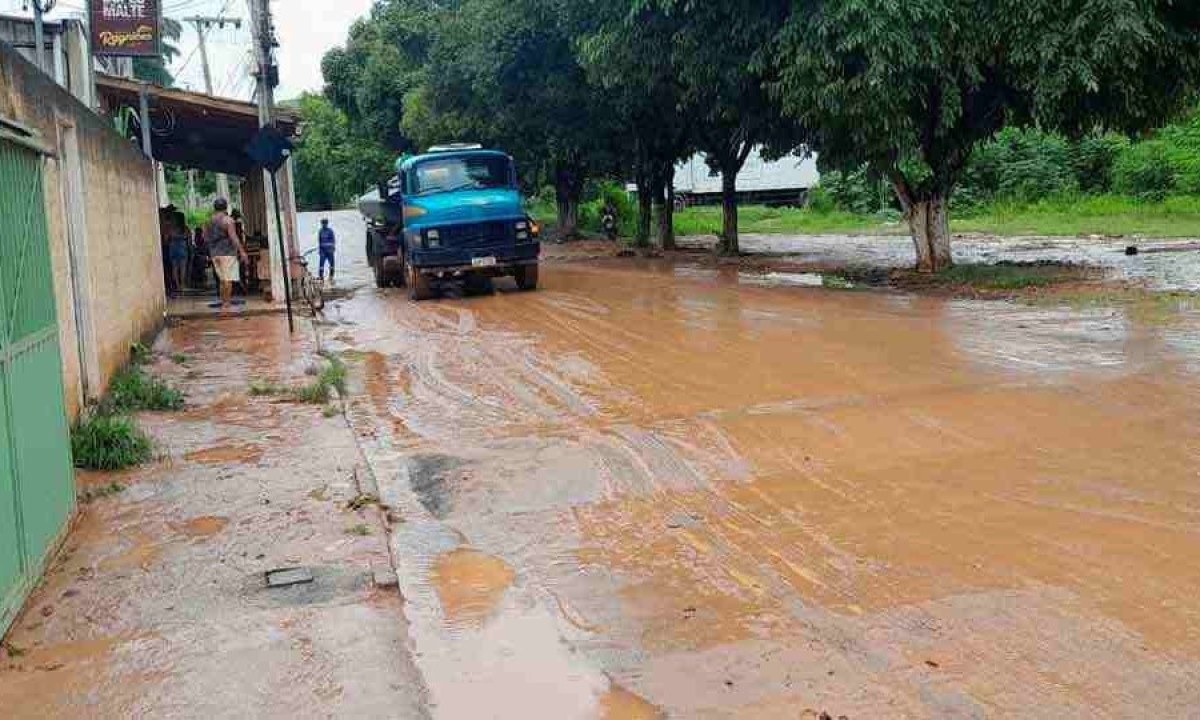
pixel 776 182
pixel 67 51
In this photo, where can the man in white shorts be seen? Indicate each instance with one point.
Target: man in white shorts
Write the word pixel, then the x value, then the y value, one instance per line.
pixel 225 247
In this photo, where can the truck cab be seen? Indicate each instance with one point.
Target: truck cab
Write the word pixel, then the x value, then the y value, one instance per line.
pixel 452 213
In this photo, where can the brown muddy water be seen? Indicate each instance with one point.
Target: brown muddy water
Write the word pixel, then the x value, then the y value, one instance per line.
pixel 651 491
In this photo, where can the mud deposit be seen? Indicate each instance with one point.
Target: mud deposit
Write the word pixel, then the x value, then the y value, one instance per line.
pixel 657 491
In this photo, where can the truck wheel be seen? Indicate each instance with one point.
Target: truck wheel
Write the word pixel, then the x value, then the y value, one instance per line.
pixel 382 279
pixel 527 277
pixel 419 286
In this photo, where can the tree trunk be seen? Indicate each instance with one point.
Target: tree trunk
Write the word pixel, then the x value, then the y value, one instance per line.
pixel 567 191
pixel 729 211
pixel 666 213
pixel 645 199
pixel 929 220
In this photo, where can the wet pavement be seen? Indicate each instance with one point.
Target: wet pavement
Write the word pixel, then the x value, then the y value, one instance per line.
pixel 1164 264
pixel 157 606
pixel 651 489
pixel 656 490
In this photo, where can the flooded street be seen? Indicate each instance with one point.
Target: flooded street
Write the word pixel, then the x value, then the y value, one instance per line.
pixel 1163 264
pixel 650 491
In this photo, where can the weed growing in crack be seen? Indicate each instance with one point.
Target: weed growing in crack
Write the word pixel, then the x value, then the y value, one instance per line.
pixel 110 442
pixel 134 389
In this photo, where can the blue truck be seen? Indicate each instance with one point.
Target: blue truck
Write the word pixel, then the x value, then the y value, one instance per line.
pixel 452 214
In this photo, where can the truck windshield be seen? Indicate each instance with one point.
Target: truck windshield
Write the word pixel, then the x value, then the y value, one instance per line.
pixel 461 173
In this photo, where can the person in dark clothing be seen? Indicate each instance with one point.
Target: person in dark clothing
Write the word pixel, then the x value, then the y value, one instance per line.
pixel 327 246
pixel 177 254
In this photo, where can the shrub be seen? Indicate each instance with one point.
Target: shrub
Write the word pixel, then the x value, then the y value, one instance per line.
pixel 1144 171
pixel 852 191
pixel 1093 159
pixel 133 389
pixel 1022 164
pixel 109 442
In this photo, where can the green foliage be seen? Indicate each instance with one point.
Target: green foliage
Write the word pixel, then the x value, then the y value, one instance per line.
pixel 335 164
pixel 1002 276
pixel 1089 215
pixel 1093 158
pixel 853 191
pixel 320 391
pixel 156 69
pixel 1022 165
pixel 103 491
pixel 1145 171
pixel 133 389
pixel 110 442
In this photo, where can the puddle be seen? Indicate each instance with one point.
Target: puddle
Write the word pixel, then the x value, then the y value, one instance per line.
pixel 620 704
pixel 227 455
pixel 786 279
pixel 470 585
pixel 203 527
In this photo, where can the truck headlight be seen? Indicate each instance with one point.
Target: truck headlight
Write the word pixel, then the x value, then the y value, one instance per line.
pixel 433 239
pixel 522 225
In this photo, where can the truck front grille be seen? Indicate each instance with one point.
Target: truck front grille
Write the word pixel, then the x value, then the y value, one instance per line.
pixel 475 235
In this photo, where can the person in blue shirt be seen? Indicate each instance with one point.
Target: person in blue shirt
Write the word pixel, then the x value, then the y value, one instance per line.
pixel 327 245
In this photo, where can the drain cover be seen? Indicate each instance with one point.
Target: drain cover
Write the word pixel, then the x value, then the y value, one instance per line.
pixel 286 577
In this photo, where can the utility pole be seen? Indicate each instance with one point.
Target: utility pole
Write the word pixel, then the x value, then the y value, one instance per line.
pixel 266 78
pixel 40 8
pixel 203 24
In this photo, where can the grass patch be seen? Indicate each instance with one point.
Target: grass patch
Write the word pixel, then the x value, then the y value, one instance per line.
pixel 361 502
pixel 180 359
pixel 1088 215
pixel 91 494
pixel 13 651
pixel 1177 216
pixel 329 379
pixel 360 530
pixel 110 442
pixel 139 354
pixel 759 219
pixel 1005 276
pixel 134 389
pixel 331 411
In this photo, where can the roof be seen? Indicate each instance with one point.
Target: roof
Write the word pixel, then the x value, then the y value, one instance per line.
pixel 191 129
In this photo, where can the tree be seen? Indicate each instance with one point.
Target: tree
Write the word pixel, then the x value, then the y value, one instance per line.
pixel 622 51
pixel 333 163
pixel 155 69
pixel 504 72
pixel 912 87
pixel 718 53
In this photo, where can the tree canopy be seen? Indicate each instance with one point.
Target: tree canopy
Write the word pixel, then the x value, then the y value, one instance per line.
pixel 627 88
pixel 911 88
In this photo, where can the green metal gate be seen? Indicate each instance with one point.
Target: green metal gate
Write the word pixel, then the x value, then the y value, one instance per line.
pixel 37 486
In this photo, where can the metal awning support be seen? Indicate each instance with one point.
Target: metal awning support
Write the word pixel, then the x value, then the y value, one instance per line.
pixel 144 113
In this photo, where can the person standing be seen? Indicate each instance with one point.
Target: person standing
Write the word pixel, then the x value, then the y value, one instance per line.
pixel 177 253
pixel 327 246
pixel 225 247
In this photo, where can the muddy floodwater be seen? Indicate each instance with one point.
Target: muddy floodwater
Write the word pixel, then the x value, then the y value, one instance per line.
pixel 652 491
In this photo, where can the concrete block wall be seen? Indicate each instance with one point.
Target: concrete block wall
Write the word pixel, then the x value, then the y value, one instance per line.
pixel 118 260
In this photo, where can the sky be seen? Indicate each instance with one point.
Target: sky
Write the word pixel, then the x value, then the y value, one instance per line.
pixel 306 29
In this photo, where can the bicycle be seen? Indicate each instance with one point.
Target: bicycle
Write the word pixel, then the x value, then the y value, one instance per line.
pixel 310 287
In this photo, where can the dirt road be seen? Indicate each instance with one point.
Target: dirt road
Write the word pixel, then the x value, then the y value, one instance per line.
pixel 650 491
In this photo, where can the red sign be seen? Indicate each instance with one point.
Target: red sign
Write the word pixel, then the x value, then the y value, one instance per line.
pixel 125 27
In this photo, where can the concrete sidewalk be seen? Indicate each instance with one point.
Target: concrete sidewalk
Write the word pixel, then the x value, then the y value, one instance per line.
pixel 157 606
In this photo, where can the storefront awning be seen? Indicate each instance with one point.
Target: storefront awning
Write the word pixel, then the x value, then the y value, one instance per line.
pixel 189 129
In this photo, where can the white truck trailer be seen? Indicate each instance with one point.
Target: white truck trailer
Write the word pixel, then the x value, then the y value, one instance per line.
pixel 778 182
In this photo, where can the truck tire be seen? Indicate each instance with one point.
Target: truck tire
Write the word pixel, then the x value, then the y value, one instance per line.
pixel 419 286
pixel 382 279
pixel 526 277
